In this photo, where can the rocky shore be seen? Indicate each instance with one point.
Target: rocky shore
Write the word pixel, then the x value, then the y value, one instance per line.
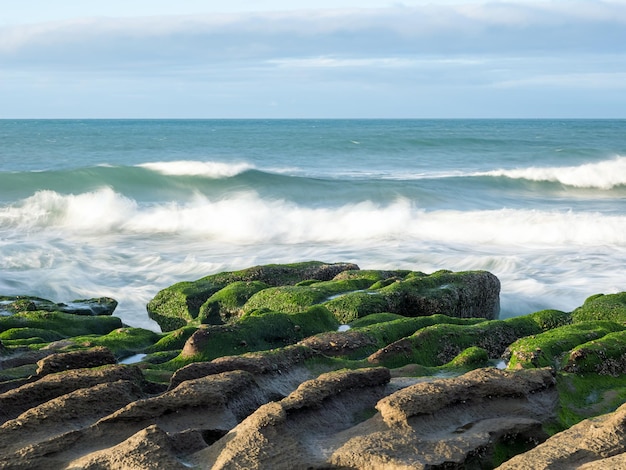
pixel 314 365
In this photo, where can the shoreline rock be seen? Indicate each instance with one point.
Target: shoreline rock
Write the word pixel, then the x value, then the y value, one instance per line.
pixel 252 371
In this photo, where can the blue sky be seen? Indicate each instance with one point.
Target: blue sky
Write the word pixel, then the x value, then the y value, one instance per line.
pixel 275 59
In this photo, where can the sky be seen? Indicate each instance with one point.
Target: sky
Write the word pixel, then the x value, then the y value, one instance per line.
pixel 312 59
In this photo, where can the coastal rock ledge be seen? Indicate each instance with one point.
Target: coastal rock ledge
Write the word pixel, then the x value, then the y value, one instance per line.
pixel 315 366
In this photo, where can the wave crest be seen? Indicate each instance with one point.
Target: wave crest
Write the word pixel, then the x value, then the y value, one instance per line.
pixel 246 218
pixel 606 174
pixel 207 169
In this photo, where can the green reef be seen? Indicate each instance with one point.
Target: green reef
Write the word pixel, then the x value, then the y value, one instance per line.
pixel 339 317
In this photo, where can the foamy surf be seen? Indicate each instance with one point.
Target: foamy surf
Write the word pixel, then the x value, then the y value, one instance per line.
pixel 606 174
pixel 208 169
pixel 248 218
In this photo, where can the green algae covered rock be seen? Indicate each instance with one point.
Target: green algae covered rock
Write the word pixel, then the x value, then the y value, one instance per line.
pixel 546 349
pixel 602 307
pixel 603 356
pixel 25 303
pixel 256 331
pixel 465 294
pixel 227 303
pixel 440 343
pixel 470 358
pixel 289 299
pixel 340 287
pixel 62 324
pixel 181 303
pixel 462 294
pixel 122 342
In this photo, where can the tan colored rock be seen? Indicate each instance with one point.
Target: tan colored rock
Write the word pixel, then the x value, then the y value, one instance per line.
pixel 256 363
pixel 149 449
pixel 289 434
pixel 214 402
pixel 75 410
pixel 591 444
pixel 429 397
pixel 59 362
pixel 16 401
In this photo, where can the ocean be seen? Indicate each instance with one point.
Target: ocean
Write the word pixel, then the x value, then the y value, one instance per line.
pixel 124 208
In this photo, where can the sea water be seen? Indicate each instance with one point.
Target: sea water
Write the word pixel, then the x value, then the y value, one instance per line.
pixel 124 208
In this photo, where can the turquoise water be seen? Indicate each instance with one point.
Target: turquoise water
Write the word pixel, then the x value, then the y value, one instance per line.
pixel 126 207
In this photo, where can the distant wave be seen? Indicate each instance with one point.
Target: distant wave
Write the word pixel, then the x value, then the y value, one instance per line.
pixel 606 174
pixel 246 218
pixel 197 168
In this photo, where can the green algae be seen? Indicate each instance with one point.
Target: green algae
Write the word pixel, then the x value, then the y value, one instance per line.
pixel 172 340
pixel 288 299
pixel 583 396
pixel 375 318
pixel 63 324
pixel 257 330
pixel 386 333
pixel 438 344
pixel 15 335
pixel 546 349
pixel 227 303
pixel 122 342
pixel 470 358
pixel 604 356
pixel 354 305
pixel 610 307
pixel 179 304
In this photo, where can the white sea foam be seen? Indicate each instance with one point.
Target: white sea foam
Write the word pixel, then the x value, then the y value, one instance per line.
pixel 250 219
pixel 246 218
pixel 197 168
pixel 605 174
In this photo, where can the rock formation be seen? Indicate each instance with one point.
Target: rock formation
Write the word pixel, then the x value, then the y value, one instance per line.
pixel 253 371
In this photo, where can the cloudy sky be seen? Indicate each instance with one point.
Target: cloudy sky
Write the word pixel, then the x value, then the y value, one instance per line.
pixel 322 58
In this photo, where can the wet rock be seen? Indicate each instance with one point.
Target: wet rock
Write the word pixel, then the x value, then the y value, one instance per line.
pixel 289 433
pixel 278 361
pixel 344 343
pixel 66 413
pixel 148 449
pixel 594 443
pixel 59 362
pixel 180 304
pixel 259 330
pixel 16 401
pixel 24 303
pixel 428 398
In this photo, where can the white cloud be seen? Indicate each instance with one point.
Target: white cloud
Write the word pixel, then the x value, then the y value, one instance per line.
pixel 491 28
pixel 408 58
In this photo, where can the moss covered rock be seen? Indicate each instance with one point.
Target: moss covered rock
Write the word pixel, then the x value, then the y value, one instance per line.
pixel 25 303
pixel 604 356
pixel 121 342
pixel 546 349
pixel 227 303
pixel 256 331
pixel 62 324
pixel 440 343
pixel 602 307
pixel 461 294
pixel 177 305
